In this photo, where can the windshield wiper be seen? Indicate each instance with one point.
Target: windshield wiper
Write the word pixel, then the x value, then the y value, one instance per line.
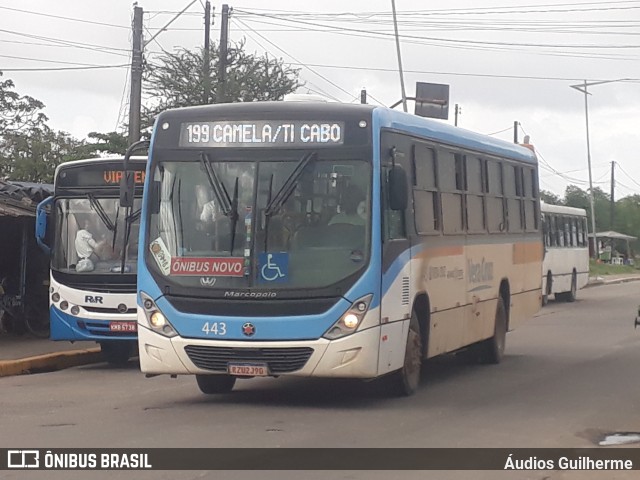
pixel 219 190
pixel 275 203
pixel 129 220
pixel 280 198
pixel 95 204
pixel 228 205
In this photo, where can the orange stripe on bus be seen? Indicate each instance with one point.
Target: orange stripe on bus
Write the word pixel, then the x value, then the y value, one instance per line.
pixel 527 253
pixel 449 251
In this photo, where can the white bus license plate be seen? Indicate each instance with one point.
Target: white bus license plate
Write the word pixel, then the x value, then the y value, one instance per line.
pixel 248 369
pixel 123 327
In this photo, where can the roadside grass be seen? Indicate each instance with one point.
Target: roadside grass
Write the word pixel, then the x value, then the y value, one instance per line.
pixel 601 269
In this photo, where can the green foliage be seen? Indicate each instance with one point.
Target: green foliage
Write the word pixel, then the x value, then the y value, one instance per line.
pixel 29 149
pixel 600 269
pixel 177 80
pixel 112 142
pixel 549 197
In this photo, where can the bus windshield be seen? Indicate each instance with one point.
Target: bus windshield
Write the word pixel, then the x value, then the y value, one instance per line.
pixel 90 233
pixel 311 230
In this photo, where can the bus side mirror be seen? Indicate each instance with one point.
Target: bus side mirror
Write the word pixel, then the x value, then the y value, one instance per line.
pixel 398 188
pixel 127 186
pixel 127 182
pixel 42 214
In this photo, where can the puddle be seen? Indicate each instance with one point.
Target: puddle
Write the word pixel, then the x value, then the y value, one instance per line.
pixel 623 438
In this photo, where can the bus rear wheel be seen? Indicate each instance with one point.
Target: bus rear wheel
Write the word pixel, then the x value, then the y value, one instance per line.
pixel 492 349
pixel 212 384
pixel 407 379
pixel 570 296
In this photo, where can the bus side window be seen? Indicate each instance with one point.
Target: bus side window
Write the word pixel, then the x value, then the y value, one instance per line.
pixel 495 205
pixel 425 194
pixel 393 219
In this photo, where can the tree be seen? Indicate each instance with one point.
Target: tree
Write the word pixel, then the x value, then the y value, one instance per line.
pixel 29 149
pixel 550 197
pixel 576 197
pixel 112 142
pixel 176 80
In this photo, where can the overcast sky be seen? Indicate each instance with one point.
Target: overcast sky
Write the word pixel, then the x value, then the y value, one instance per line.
pixel 505 61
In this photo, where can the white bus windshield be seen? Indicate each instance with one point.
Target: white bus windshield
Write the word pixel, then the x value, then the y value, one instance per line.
pixel 90 236
pixel 311 230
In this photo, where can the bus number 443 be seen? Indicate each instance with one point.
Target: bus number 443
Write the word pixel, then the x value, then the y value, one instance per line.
pixel 215 328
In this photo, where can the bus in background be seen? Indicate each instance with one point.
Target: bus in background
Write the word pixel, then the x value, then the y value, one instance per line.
pixel 565 268
pixel 93 243
pixel 330 240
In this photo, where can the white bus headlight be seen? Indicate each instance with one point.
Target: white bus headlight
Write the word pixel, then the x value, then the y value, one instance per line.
pixel 155 318
pixel 350 320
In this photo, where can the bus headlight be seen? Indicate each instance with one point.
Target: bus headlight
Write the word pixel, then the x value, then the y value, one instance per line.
pixel 350 320
pixel 155 318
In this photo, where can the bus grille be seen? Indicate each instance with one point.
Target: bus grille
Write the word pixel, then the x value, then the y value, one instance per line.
pixel 278 360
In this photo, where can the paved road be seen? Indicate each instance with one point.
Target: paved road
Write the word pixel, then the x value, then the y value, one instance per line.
pixel 570 376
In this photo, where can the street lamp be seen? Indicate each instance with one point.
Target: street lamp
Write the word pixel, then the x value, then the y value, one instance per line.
pixel 582 87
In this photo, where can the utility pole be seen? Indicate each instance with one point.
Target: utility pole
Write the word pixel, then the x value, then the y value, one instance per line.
pixel 395 26
pixel 206 66
pixel 458 111
pixel 613 202
pixel 222 61
pixel 363 96
pixel 135 98
pixel 515 131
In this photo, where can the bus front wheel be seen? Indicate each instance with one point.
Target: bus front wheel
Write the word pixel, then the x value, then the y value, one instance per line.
pixel 211 384
pixel 117 353
pixel 407 379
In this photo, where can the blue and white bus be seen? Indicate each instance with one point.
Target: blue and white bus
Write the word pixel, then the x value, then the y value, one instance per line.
pixel 330 240
pixel 94 250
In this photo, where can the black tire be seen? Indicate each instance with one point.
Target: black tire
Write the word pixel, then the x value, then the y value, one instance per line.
pixel 492 349
pixel 212 384
pixel 570 296
pixel 117 353
pixel 545 296
pixel 37 321
pixel 407 379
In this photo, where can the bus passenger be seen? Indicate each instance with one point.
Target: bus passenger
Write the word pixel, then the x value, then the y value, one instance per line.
pixel 352 208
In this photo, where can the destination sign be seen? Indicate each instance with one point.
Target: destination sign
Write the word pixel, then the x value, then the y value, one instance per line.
pixel 261 134
pixel 90 176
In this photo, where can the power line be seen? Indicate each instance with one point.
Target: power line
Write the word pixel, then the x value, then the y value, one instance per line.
pixel 446 40
pixel 68 43
pixel 64 18
pixel 51 61
pixel 53 69
pixel 318 89
pixel 300 63
pixel 487 75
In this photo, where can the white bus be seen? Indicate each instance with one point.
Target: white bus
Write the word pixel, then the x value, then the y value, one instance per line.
pixel 565 268
pixel 93 254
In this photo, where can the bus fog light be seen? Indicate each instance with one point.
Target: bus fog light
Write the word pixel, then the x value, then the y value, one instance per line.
pixel 351 321
pixel 55 297
pixel 75 310
pixel 64 305
pixel 157 320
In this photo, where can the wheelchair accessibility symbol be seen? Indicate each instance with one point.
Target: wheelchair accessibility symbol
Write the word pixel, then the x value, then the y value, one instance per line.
pixel 274 267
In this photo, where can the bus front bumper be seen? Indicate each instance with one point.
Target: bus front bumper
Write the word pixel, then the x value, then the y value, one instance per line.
pixel 353 356
pixel 65 326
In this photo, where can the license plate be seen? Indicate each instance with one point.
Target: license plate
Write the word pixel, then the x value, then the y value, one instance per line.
pixel 248 369
pixel 123 327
